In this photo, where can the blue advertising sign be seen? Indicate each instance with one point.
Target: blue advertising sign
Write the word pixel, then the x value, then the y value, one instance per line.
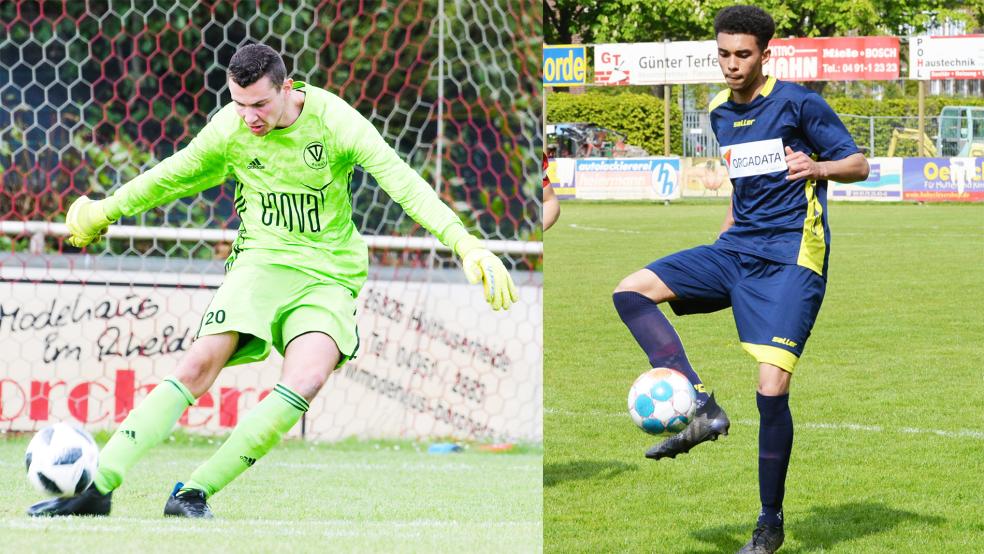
pixel 943 179
pixel 564 66
pixel 627 178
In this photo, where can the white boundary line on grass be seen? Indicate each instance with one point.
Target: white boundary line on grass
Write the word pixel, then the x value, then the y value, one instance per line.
pixel 360 466
pixel 603 229
pixel 331 528
pixel 960 433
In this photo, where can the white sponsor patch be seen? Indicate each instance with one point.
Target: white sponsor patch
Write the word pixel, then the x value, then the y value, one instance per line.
pixel 754 158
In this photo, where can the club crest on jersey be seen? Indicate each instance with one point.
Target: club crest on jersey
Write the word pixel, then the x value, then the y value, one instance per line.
pixel 760 157
pixel 314 155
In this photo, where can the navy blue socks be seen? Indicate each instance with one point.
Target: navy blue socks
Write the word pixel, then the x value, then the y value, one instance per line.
pixel 775 445
pixel 656 336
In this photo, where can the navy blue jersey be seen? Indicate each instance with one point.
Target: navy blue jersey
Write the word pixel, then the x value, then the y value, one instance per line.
pixel 779 220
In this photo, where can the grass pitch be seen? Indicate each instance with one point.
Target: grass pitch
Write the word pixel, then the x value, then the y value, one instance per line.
pixel 350 497
pixel 888 454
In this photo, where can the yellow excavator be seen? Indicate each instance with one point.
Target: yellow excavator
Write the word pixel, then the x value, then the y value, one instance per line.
pixel 905 133
pixel 960 133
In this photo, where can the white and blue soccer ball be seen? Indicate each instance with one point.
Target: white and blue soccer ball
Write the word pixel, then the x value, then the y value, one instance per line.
pixel 662 401
pixel 61 460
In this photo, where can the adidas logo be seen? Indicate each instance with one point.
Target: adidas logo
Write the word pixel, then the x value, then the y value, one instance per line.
pixel 130 434
pixel 256 164
pixel 248 461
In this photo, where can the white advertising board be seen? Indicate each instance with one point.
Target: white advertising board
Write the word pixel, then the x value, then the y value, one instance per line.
pixel 435 360
pixel 654 63
pixel 884 183
pixel 627 178
pixel 956 57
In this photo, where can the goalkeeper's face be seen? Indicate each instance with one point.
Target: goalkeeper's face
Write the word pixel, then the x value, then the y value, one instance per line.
pixel 262 105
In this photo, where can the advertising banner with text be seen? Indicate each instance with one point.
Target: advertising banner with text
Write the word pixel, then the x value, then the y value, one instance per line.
pixel 943 179
pixel 884 183
pixel 834 59
pixel 434 361
pixel 797 59
pixel 957 57
pixel 564 66
pixel 656 63
pixel 627 178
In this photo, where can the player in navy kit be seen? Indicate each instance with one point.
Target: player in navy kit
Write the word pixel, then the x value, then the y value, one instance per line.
pixel 781 143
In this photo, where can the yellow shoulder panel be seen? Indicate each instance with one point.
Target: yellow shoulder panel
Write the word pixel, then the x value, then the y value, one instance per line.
pixel 719 98
pixel 770 83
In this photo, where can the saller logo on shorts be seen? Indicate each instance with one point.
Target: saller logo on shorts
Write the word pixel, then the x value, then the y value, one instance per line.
pixel 754 158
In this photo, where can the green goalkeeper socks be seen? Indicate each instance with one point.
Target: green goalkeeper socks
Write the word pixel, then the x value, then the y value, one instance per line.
pixel 148 424
pixel 255 435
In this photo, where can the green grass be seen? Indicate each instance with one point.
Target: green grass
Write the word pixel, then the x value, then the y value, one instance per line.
pixel 888 453
pixel 351 497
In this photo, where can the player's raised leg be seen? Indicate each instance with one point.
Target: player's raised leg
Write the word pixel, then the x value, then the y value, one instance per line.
pixel 637 300
pixel 775 446
pixel 147 425
pixel 308 362
pixel 697 280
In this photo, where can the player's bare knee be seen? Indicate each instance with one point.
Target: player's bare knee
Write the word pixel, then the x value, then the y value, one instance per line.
pixel 634 282
pixel 306 384
pixel 200 366
pixel 646 283
pixel 198 370
pixel 197 374
pixel 773 380
pixel 625 285
pixel 772 390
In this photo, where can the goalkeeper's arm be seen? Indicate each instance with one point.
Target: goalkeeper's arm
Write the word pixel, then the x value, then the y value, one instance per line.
pixel 420 201
pixel 198 166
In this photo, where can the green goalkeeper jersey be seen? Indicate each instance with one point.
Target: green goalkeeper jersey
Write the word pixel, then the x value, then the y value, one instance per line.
pixel 292 187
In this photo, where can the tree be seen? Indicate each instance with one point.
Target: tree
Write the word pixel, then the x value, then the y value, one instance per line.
pixel 656 20
pixel 565 19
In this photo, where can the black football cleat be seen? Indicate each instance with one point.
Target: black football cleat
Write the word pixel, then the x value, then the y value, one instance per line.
pixel 708 423
pixel 89 502
pixel 766 539
pixel 187 503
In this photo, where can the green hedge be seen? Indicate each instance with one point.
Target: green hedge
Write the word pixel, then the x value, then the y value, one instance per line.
pixel 639 116
pixel 888 114
pixel 899 106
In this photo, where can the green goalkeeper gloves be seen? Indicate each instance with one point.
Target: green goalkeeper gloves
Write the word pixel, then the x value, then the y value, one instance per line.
pixel 87 221
pixel 482 265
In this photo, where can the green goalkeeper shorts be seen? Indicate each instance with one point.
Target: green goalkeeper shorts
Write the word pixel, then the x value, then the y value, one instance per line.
pixel 270 305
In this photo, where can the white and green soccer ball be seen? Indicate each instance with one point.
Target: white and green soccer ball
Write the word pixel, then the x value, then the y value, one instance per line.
pixel 662 401
pixel 61 460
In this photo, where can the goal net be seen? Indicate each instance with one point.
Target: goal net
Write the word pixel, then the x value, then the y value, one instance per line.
pixel 94 93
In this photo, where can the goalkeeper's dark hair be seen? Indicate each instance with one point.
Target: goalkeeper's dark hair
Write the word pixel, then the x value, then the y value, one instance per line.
pixel 746 20
pixel 251 62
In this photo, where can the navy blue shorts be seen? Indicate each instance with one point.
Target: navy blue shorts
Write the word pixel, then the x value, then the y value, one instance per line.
pixel 775 305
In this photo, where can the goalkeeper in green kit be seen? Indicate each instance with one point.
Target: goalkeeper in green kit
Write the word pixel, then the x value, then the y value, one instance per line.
pixel 292 278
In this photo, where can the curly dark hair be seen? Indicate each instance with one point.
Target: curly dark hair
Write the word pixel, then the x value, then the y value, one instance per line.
pixel 746 20
pixel 253 61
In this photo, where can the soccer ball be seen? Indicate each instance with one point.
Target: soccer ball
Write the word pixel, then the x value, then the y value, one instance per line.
pixel 662 401
pixel 61 460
